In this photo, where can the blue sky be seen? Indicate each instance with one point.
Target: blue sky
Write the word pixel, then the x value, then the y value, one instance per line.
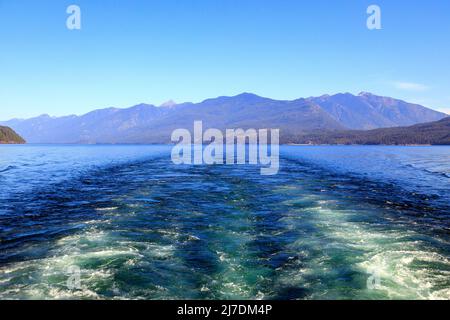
pixel 131 51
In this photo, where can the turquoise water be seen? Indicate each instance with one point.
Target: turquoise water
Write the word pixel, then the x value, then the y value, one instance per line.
pixel 139 227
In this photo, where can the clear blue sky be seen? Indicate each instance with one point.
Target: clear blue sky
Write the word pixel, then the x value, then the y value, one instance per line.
pixel 131 51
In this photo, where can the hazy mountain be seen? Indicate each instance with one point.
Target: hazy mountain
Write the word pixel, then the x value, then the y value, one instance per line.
pixel 433 133
pixel 150 124
pixel 242 111
pixel 8 136
pixel 367 111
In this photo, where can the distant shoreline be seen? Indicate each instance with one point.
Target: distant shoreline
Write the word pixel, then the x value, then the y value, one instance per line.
pixel 282 144
pixel 368 145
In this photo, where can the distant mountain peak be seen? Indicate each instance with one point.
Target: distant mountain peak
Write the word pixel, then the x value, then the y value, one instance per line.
pixel 249 97
pixel 168 104
pixel 247 94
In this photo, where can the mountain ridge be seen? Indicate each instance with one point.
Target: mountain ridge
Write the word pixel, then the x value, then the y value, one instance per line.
pixel 147 123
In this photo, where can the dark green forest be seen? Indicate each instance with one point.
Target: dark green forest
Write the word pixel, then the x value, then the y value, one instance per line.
pixel 433 133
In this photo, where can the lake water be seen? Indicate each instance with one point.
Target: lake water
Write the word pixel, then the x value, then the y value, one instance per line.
pixel 335 223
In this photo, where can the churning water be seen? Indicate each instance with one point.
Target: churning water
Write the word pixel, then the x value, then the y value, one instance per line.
pixel 139 227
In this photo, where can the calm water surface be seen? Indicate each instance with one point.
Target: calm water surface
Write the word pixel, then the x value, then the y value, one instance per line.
pixel 139 227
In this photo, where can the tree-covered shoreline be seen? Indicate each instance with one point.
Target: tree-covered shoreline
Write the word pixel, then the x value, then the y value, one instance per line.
pixel 9 136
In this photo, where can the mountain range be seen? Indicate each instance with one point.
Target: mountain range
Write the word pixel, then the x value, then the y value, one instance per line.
pixel 145 123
